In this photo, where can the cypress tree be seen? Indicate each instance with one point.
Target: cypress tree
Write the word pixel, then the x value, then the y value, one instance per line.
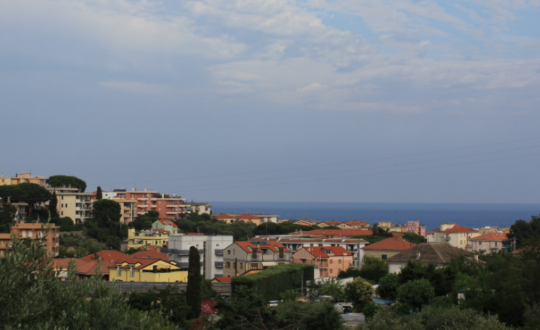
pixel 99 193
pixel 193 291
pixel 53 206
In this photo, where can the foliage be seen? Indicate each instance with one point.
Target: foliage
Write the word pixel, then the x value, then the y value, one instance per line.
pixel 58 181
pixel 168 301
pixel 350 272
pixel 433 318
pixel 146 220
pixel 524 231
pixel 370 310
pixel 378 231
pixel 328 287
pixel 388 286
pixel 99 193
pixel 204 223
pixel 373 269
pixel 29 193
pixel 193 291
pixel 38 299
pixel 7 216
pixel 272 281
pixel 207 291
pixel 414 238
pixel 416 294
pixel 80 246
pixel 359 292
pixel 288 296
pixel 53 206
pixel 105 224
pixel 532 317
pixel 66 224
pixel 108 211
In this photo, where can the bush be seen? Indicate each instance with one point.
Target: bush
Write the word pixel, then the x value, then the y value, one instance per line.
pixel 359 292
pixel 373 269
pixel 370 310
pixel 416 294
pixel 388 286
pixel 274 280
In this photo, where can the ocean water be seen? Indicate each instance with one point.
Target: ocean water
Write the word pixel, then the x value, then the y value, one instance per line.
pixel 431 215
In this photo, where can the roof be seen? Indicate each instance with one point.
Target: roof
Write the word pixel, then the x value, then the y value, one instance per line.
pixel 274 246
pixel 390 244
pixel 493 236
pixel 223 279
pixel 438 253
pixel 459 229
pixel 357 223
pixel 247 216
pixel 429 233
pixel 325 251
pixel 224 216
pixel 5 236
pixel 63 263
pixel 168 223
pixel 107 255
pixel 331 223
pixel 336 232
pixel 150 255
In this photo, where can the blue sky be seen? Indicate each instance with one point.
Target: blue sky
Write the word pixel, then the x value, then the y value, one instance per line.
pixel 251 100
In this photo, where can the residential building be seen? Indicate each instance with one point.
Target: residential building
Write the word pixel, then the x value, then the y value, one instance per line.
pixel 439 254
pixel 210 249
pixel 200 208
pixel 166 225
pixel 62 264
pixel 489 242
pixel 242 257
pixel 330 260
pixel 355 224
pixel 23 178
pixel 410 227
pixel 353 246
pixel 453 234
pixel 140 202
pixel 305 222
pixel 334 233
pixel 22 211
pixel 488 229
pixel 73 204
pixel 47 233
pixel 387 248
pixel 329 223
pixel 146 238
pixel 256 218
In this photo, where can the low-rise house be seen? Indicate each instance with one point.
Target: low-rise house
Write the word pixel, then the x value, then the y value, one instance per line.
pixel 439 254
pixel 241 257
pixel 256 218
pixel 411 227
pixel 334 233
pixel 357 224
pixel 453 234
pixel 329 223
pixel 387 248
pixel 329 260
pixel 490 242
pixel 167 225
pixel 49 234
pixel 199 208
pixel 147 238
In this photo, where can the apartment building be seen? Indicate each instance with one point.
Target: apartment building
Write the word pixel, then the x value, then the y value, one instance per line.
pixel 140 202
pixel 330 260
pixel 256 218
pixel 23 178
pixel 334 233
pixel 48 233
pixel 74 204
pixel 489 242
pixel 166 225
pixel 147 238
pixel 453 234
pixel 411 227
pixel 353 246
pixel 210 249
pixel 242 257
pixel 200 208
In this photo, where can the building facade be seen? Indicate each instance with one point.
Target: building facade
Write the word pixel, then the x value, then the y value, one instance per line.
pixel 23 178
pixel 210 249
pixel 330 260
pixel 200 208
pixel 489 242
pixel 411 227
pixel 47 233
pixel 453 234
pixel 256 218
pixel 242 257
pixel 73 204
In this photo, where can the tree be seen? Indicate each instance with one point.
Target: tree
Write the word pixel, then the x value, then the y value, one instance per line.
pixel 59 181
pixel 416 294
pixel 108 211
pixel 99 193
pixel 193 290
pixel 388 286
pixel 53 206
pixel 29 193
pixel 7 216
pixel 359 292
pixel 373 269
pixel 168 300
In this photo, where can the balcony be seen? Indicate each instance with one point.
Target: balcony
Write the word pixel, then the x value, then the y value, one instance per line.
pixel 154 206
pixel 218 264
pixel 142 199
pixel 172 212
pixel 219 253
pixel 142 205
pixel 172 205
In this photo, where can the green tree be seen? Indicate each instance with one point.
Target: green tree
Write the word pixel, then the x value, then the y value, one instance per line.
pixel 53 206
pixel 359 292
pixel 59 181
pixel 169 301
pixel 107 211
pixel 99 193
pixel 416 293
pixel 388 286
pixel 7 216
pixel 414 238
pixel 373 269
pixel 29 193
pixel 193 290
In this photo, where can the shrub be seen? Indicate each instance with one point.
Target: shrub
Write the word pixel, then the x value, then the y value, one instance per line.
pixel 359 292
pixel 416 293
pixel 388 286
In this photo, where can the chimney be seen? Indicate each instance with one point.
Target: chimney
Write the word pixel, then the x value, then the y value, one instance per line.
pixel 418 256
pixel 476 257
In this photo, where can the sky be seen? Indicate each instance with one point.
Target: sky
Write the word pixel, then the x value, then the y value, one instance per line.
pixel 251 100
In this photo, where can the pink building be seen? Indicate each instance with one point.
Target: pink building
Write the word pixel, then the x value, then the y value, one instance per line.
pixel 490 242
pixel 143 201
pixel 330 260
pixel 414 227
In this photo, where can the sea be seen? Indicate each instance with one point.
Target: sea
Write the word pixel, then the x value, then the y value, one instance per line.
pixel 429 214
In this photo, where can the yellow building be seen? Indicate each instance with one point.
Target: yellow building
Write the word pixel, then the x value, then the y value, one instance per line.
pixel 147 270
pixel 23 178
pixel 147 238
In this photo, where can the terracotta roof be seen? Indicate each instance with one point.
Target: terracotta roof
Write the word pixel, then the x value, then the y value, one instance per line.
pixel 107 255
pixel 224 216
pixel 150 255
pixel 89 268
pixel 63 263
pixel 5 236
pixel 168 223
pixel 438 253
pixel 336 232
pixel 429 233
pixel 271 244
pixel 247 216
pixel 390 244
pixel 323 251
pixel 223 279
pixel 490 237
pixel 459 229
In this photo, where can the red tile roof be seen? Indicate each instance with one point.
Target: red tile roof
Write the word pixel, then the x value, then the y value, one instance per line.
pixel 168 223
pixel 323 251
pixel 429 233
pixel 490 237
pixel 459 229
pixel 336 232
pixel 247 216
pixel 390 244
pixel 224 216
pixel 246 245
pixel 107 255
pixel 63 263
pixel 223 279
pixel 150 255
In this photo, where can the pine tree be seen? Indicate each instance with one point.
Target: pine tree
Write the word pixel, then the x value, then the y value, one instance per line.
pixel 53 206
pixel 193 291
pixel 99 193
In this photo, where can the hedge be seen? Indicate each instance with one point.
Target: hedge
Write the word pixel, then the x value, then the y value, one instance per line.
pixel 274 280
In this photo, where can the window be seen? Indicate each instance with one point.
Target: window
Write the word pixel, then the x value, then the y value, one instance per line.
pixel 227 265
pixel 254 266
pixel 460 242
pixel 339 261
pixel 132 271
pixel 241 265
pixel 331 271
pixel 254 254
pixel 62 213
pixel 228 251
pixel 119 270
pixel 281 253
pixel 331 261
pixel 480 243
pixel 384 256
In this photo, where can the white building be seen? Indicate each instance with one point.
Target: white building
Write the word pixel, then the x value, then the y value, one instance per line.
pixel 210 248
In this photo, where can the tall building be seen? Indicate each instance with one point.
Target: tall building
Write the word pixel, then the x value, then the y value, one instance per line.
pixel 35 231
pixel 74 204
pixel 210 249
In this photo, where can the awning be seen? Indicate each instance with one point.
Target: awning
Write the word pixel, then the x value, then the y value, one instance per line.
pixel 269 263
